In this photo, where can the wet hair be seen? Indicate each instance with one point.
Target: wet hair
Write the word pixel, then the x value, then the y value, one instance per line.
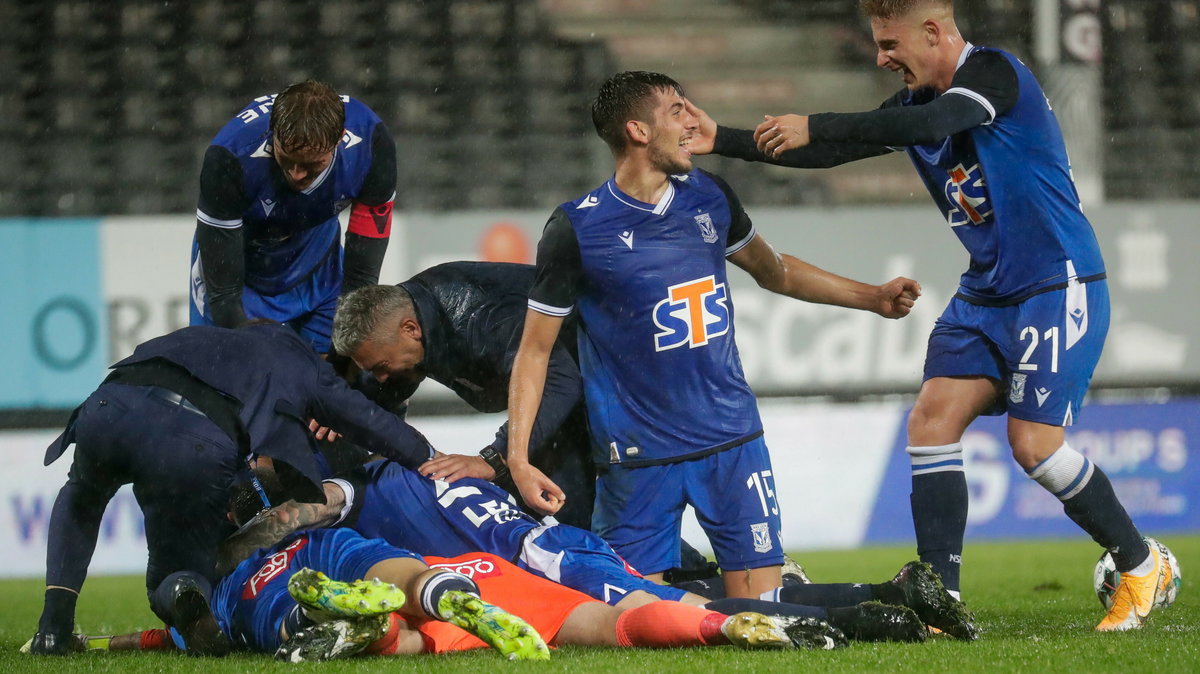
pixel 364 312
pixel 308 115
pixel 625 96
pixel 244 501
pixel 890 9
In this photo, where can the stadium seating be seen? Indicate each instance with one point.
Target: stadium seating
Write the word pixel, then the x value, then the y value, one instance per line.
pixel 108 106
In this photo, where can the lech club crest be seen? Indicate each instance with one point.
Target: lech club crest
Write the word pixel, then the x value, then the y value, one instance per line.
pixel 1016 389
pixel 762 537
pixel 708 231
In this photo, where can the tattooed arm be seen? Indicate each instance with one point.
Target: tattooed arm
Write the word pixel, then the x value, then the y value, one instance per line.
pixel 271 526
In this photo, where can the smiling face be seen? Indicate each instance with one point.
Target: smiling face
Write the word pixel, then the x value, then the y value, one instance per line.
pixel 670 133
pixel 301 167
pixel 907 44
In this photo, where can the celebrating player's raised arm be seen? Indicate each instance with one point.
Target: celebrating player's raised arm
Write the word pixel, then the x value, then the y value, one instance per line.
pixel 740 144
pixel 524 398
pixel 787 275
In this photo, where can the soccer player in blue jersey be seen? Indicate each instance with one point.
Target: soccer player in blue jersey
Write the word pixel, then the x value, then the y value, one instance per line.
pixel 268 242
pixel 254 608
pixel 1024 331
pixel 673 422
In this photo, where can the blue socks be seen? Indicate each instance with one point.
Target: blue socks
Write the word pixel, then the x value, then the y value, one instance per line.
pixel 939 508
pixel 1089 500
pixel 732 606
pixel 825 594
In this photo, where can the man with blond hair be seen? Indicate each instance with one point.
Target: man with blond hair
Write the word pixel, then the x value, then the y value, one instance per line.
pixel 1024 331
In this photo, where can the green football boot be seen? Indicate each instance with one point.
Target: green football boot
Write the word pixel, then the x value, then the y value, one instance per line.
pixel 326 599
pixel 513 637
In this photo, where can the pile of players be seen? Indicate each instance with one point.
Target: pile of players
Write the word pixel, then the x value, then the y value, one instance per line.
pixel 615 359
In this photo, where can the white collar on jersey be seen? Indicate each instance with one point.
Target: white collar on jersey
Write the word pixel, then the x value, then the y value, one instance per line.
pixel 664 202
pixel 324 174
pixel 962 57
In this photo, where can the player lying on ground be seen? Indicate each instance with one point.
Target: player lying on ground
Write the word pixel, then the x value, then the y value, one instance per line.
pixel 434 518
pixel 303 600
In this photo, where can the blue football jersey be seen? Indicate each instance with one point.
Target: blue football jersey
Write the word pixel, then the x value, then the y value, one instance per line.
pixel 662 377
pixel 1006 190
pixel 432 517
pixel 252 602
pixel 287 233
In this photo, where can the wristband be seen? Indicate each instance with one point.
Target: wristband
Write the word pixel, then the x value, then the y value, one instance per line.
pixel 493 459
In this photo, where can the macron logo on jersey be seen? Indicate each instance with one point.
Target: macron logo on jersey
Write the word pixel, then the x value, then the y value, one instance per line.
pixel 968 197
pixel 692 313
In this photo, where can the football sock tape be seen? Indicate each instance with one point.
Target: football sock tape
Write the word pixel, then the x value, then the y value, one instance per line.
pixel 440 584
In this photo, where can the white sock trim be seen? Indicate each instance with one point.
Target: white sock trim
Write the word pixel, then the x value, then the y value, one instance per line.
pixel 1064 473
pixel 1146 566
pixel 939 459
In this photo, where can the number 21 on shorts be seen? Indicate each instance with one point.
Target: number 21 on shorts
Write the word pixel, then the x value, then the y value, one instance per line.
pixel 1049 339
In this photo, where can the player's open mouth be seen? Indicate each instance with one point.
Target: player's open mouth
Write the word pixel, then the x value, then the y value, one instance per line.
pixel 683 143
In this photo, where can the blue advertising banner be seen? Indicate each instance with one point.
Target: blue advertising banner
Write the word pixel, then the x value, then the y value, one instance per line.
pixel 55 337
pixel 1143 448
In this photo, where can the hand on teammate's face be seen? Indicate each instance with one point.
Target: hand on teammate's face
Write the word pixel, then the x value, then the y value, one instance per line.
pixel 706 134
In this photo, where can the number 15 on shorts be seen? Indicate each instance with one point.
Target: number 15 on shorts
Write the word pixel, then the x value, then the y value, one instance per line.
pixel 761 482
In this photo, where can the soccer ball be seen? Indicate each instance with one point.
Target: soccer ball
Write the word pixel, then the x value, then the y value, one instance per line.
pixel 1106 578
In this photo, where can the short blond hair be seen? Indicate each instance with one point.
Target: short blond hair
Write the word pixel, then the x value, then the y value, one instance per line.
pixel 890 9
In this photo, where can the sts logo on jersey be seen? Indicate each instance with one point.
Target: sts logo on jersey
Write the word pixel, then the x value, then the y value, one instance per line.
pixel 968 197
pixel 693 313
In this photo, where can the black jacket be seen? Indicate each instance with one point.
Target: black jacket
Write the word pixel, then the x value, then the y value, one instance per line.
pixel 472 315
pixel 279 383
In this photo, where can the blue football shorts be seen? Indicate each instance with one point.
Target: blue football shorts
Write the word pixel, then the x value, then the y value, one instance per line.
pixel 1043 350
pixel 307 308
pixel 639 511
pixel 582 561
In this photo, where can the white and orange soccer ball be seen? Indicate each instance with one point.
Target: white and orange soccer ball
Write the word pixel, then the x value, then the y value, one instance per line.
pixel 1106 578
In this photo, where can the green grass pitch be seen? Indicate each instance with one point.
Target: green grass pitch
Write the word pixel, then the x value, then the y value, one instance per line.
pixel 1033 600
